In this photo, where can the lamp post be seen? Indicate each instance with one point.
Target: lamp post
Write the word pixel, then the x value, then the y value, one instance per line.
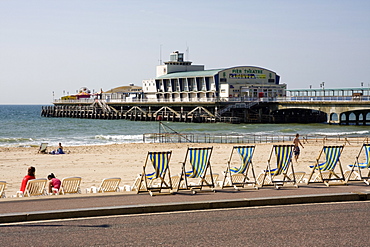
pixel 322 85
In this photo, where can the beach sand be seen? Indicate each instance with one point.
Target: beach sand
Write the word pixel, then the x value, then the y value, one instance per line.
pixel 94 163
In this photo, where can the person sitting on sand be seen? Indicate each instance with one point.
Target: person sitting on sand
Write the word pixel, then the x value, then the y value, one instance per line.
pixel 30 175
pixel 54 184
pixel 59 150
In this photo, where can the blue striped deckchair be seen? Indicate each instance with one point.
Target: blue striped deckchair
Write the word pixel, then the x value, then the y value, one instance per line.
pixel 238 176
pixel 357 168
pixel 332 160
pixel 279 175
pixel 199 159
pixel 160 178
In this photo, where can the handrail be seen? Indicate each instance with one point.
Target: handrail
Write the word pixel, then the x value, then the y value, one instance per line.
pixel 249 100
pixel 247 138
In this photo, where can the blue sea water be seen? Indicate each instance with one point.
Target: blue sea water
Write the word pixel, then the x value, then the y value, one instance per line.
pixel 22 125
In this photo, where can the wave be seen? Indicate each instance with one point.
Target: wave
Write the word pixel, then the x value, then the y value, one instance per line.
pixel 15 140
pixel 72 141
pixel 119 137
pixel 288 130
pixel 363 132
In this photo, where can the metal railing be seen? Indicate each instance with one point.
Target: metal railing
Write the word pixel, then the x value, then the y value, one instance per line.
pixel 231 100
pixel 228 138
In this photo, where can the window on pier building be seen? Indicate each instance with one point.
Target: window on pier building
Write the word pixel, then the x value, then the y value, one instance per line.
pixel 185 85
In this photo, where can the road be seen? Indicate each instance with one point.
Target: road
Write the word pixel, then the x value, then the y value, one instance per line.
pixel 324 224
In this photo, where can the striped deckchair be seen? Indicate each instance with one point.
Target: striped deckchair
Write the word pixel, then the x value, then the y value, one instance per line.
pixel 325 172
pixel 159 179
pixel 358 168
pixel 196 178
pixel 238 176
pixel 279 176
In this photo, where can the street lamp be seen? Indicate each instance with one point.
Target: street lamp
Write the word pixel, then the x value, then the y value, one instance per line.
pixel 322 85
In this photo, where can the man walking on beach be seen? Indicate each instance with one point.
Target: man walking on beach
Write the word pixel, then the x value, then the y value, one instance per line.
pixel 296 149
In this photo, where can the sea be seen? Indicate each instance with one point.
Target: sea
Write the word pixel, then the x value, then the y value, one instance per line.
pixel 23 126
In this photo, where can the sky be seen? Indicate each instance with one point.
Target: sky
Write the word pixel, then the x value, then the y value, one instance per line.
pixel 52 48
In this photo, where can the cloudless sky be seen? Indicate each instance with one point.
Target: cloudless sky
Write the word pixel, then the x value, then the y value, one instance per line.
pixel 60 46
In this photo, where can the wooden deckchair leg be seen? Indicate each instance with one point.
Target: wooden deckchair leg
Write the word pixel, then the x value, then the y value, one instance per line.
pixel 227 173
pixel 341 171
pixel 311 174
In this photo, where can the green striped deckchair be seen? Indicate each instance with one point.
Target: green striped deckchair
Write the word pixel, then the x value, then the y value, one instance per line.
pixel 238 176
pixel 325 171
pixel 279 174
pixel 199 159
pixel 358 168
pixel 160 178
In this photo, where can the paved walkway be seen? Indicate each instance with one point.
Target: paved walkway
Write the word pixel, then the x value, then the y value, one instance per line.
pixel 84 205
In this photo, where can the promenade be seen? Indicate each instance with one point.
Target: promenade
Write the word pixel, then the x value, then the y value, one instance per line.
pixel 119 203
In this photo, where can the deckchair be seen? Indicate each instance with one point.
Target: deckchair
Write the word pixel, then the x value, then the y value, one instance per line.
pixel 279 176
pixel 135 185
pixel 159 179
pixel 70 185
pixel 109 185
pixel 2 189
pixel 238 176
pixel 43 148
pixel 199 160
pixel 325 171
pixel 34 187
pixel 357 169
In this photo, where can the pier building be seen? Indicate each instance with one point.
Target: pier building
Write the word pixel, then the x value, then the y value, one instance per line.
pixel 179 80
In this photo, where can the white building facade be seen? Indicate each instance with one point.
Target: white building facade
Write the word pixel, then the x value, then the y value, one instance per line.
pixel 179 80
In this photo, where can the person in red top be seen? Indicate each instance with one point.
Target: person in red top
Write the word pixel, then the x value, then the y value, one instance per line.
pixel 54 183
pixel 29 176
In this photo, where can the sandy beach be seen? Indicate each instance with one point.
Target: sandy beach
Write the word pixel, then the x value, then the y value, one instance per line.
pixel 94 163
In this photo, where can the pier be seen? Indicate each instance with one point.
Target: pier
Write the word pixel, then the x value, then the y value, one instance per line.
pixel 183 92
pixel 198 114
pixel 334 106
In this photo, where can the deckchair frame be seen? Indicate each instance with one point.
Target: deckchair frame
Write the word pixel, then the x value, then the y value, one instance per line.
pixel 70 185
pixel 35 187
pixel 357 168
pixel 2 189
pixel 273 175
pixel 43 148
pixel 109 185
pixel 148 181
pixel 238 177
pixel 203 179
pixel 327 173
